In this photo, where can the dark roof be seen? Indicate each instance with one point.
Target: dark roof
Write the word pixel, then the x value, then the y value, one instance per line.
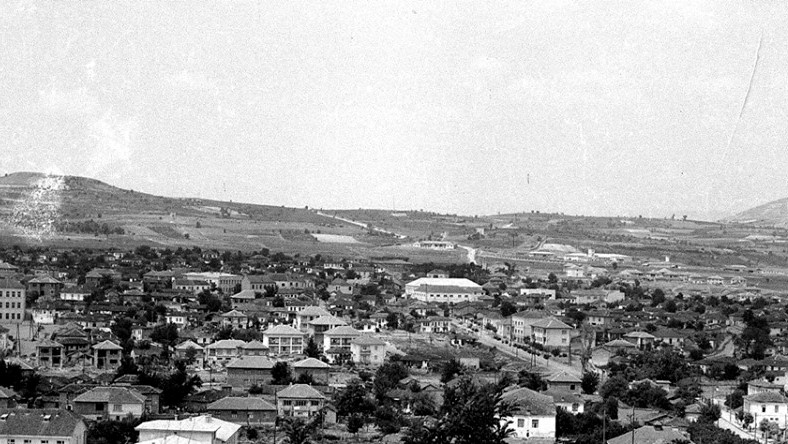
pixel 38 422
pixel 114 395
pixel 529 402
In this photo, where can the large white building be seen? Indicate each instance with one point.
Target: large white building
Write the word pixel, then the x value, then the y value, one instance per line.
pixel 533 416
pixel 451 290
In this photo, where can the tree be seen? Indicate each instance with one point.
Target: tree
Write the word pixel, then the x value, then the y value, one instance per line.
pixel 450 369
pixel 388 377
pixel 354 399
pixel 166 335
pixel 312 350
pixel 112 432
pixel 281 374
pixel 709 412
pixel 297 431
pixel 355 422
pixel 392 321
pixel 589 382
pixel 507 309
pixel 471 413
pixel 616 386
pixel 531 380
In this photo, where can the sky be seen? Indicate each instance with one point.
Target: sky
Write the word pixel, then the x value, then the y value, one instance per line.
pixel 616 108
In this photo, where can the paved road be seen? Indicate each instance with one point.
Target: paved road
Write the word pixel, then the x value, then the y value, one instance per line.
pixel 727 348
pixel 471 253
pixel 551 364
pixel 728 421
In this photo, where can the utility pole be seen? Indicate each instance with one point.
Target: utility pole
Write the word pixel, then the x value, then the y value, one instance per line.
pixel 631 423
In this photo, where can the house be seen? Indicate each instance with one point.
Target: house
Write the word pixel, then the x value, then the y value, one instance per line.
pixel 248 370
pixel 317 369
pixel 191 285
pixel 243 297
pixel 195 430
pixel 110 403
pixel 50 354
pixel 318 326
pixel 299 400
pixel 178 318
pixel 74 294
pixel 336 343
pixel 234 319
pixel 307 315
pixel 602 355
pixel 254 348
pixel 563 382
pixel 551 333
pixel 245 411
pixel 435 324
pixel 571 402
pixel 107 355
pixel 641 339
pixel 651 434
pixel 770 406
pixel 190 348
pixel 224 351
pixel 533 416
pixel 45 285
pixel 368 350
pixel 283 340
pixel 521 322
pixel 7 398
pixel 55 426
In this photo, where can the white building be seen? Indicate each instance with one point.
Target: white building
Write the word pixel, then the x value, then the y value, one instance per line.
pixel 534 414
pixel 770 406
pixel 195 430
pixel 450 290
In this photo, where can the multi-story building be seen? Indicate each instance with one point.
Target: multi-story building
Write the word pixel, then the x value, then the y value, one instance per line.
pixel 551 333
pixel 12 301
pixel 336 343
pixel 368 350
pixel 224 351
pixel 283 340
pixel 113 403
pixel 299 400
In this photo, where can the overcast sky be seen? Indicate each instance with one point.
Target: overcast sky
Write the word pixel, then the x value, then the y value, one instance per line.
pixel 582 107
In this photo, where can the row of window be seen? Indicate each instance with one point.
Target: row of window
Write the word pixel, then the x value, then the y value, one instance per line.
pixel 30 441
pixel 13 316
pixel 300 403
pixel 11 293
pixel 534 423
pixel 13 305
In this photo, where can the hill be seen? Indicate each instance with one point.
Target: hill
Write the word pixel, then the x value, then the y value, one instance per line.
pixel 77 212
pixel 773 214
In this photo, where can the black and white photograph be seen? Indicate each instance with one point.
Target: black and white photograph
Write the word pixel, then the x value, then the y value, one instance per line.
pixel 440 222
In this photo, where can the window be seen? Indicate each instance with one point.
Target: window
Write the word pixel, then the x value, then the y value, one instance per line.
pixel 763 409
pixel 287 402
pixel 44 441
pixel 117 408
pixel 535 423
pixel 520 423
pixel 571 386
pixel 776 409
pixel 99 407
pixel 575 406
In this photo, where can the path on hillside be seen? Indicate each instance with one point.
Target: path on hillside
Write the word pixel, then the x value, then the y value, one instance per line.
pixel 471 253
pixel 728 421
pixel 360 224
pixel 727 348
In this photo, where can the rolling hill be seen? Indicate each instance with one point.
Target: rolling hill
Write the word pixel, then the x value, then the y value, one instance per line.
pixel 71 211
pixel 773 214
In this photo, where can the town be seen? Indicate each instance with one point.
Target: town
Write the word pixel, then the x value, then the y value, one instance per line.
pixel 191 345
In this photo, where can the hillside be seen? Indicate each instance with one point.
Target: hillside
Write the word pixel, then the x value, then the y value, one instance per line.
pixel 69 211
pixel 773 213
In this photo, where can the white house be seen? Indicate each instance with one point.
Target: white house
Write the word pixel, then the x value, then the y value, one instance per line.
pixel 196 430
pixel 770 406
pixel 534 414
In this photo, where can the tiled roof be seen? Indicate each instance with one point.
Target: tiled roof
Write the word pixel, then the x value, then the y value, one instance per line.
pixel 367 340
pixel 283 330
pixel 529 402
pixel 107 345
pixel 327 320
pixel 253 345
pixel 254 362
pixel 550 323
pixel 342 330
pixel 314 311
pixel 113 395
pixel 241 403
pixel 563 377
pixel 38 422
pixel 226 343
pixel 650 435
pixel 188 345
pixel 300 391
pixel 767 397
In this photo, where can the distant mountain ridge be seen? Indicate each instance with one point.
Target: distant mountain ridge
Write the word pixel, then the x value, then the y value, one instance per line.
pixel 774 213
